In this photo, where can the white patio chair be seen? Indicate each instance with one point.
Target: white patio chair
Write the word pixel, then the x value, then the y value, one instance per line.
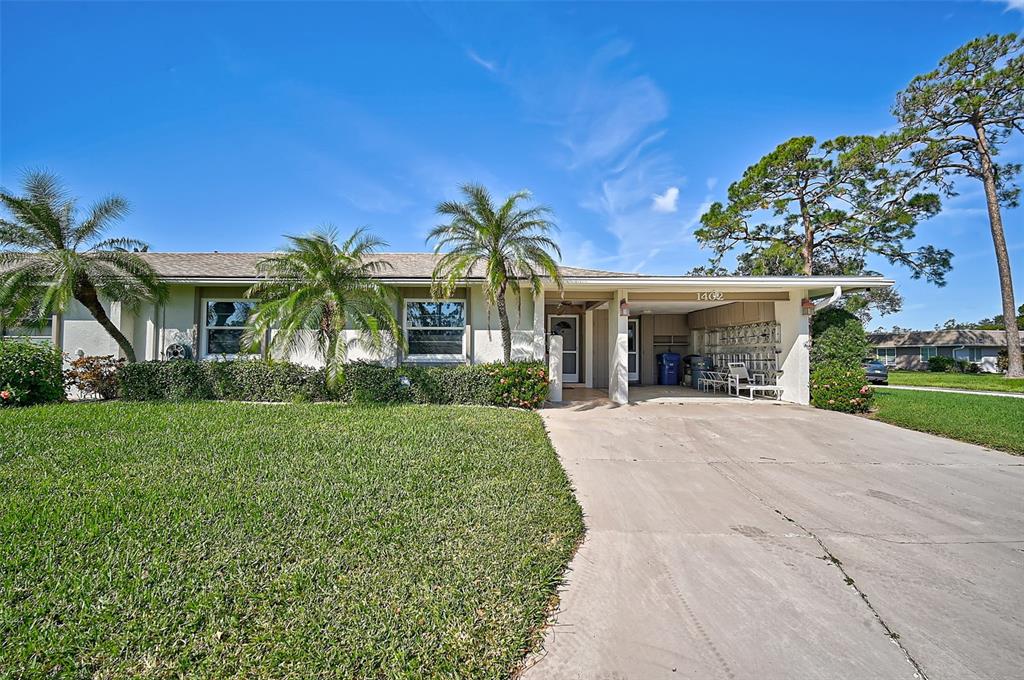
pixel 739 380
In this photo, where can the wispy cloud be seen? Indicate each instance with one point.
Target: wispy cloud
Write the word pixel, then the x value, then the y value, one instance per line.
pixel 1014 5
pixel 489 65
pixel 667 202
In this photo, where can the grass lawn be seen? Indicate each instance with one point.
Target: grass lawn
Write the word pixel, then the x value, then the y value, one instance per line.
pixel 226 539
pixel 995 422
pixel 960 381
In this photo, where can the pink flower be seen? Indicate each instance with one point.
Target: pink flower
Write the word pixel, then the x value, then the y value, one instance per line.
pixel 865 389
pixel 6 394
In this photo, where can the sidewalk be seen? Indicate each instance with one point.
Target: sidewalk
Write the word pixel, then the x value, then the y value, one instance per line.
pixel 1015 395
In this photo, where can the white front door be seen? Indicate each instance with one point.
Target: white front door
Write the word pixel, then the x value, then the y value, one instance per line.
pixel 568 327
pixel 633 350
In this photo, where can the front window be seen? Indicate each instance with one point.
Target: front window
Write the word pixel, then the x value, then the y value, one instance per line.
pixel 972 354
pixel 32 329
pixel 224 322
pixel 929 352
pixel 887 355
pixel 435 329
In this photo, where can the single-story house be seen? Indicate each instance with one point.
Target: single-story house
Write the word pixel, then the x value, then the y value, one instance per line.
pixel 911 350
pixel 613 324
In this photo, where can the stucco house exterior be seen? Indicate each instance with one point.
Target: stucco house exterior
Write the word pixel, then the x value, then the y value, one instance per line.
pixel 613 324
pixel 911 350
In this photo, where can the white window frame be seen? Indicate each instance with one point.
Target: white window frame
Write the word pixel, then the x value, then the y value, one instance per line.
pixel 435 358
pixel 932 352
pixel 886 358
pixel 203 328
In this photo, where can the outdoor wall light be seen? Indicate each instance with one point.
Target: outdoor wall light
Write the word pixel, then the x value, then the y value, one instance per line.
pixel 623 307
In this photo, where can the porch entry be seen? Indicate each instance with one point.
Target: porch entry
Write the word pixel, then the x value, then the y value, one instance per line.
pixel 633 350
pixel 567 325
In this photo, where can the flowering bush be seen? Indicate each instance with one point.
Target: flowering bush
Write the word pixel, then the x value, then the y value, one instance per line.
pixel 30 373
pixel 839 386
pixel 520 384
pixel 94 376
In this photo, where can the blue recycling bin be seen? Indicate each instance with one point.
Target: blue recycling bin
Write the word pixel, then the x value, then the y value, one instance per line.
pixel 668 368
pixel 698 365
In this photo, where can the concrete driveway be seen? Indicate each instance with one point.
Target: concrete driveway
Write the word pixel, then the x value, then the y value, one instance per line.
pixel 760 540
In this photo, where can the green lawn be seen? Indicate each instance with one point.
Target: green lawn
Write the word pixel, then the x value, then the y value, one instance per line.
pixel 961 381
pixel 995 422
pixel 226 539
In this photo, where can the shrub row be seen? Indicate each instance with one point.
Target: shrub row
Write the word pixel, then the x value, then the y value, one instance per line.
pixel 942 364
pixel 522 385
pixel 30 373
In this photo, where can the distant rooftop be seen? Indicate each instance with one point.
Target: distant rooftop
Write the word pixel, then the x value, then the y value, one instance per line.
pixel 944 338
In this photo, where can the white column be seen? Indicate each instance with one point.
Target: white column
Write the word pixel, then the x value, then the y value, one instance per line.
pixel 795 360
pixel 555 368
pixel 618 343
pixel 538 326
pixel 588 348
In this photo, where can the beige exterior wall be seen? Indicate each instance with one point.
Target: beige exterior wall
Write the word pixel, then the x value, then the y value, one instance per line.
pixel 732 314
pixel 179 321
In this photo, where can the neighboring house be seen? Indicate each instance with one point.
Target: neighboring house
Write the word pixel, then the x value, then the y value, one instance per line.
pixel 911 350
pixel 613 324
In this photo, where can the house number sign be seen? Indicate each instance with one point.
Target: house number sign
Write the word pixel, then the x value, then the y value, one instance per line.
pixel 710 296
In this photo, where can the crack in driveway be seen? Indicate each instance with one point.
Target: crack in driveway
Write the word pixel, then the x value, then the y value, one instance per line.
pixel 831 558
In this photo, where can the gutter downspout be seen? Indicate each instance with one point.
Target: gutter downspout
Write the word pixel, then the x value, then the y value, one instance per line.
pixel 836 294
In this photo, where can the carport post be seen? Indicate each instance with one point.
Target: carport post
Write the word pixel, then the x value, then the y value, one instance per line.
pixel 618 346
pixel 538 326
pixel 554 368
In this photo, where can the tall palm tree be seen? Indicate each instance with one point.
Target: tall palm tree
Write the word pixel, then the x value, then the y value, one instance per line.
pixel 49 257
pixel 318 285
pixel 511 243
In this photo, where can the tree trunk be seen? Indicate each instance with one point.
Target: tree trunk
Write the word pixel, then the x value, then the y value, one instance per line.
pixel 506 328
pixel 86 293
pixel 995 220
pixel 807 250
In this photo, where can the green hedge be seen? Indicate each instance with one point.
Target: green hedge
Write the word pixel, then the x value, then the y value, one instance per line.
pixel 30 373
pixel 839 386
pixel 838 336
pixel 522 384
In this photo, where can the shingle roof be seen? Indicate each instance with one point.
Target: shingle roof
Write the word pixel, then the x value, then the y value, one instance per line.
pixel 951 338
pixel 242 266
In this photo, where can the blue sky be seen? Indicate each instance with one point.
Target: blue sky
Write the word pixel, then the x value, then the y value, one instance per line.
pixel 228 125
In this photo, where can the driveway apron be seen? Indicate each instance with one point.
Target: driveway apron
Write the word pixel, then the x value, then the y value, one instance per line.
pixel 763 540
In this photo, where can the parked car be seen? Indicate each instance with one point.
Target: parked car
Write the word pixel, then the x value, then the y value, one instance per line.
pixel 877 372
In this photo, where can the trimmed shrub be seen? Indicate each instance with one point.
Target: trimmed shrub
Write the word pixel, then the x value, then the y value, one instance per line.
pixel 972 367
pixel 522 384
pixel 940 364
pixel 836 386
pixel 252 380
pixel 519 384
pixel 30 373
pixel 1003 360
pixel 175 380
pixel 838 336
pixel 94 376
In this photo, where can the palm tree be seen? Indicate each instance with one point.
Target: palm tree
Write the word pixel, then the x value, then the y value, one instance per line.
pixel 48 257
pixel 512 244
pixel 319 285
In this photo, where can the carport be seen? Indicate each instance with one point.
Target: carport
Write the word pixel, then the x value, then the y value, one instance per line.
pixel 613 330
